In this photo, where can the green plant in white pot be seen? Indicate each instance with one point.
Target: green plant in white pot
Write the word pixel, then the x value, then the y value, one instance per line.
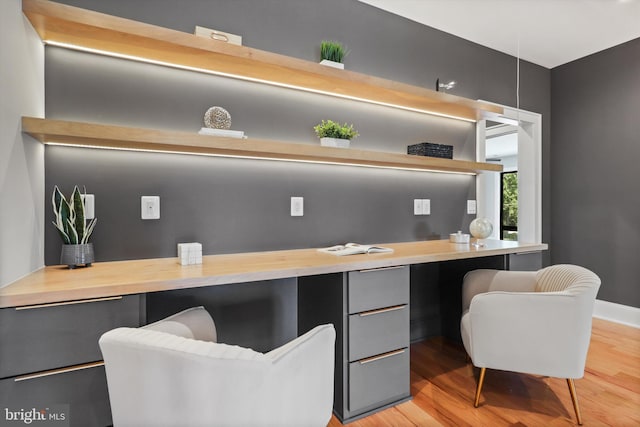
pixel 332 54
pixel 333 134
pixel 73 228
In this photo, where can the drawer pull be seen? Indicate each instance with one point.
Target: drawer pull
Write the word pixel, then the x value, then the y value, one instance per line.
pixel 382 310
pixel 371 270
pixel 58 371
pixel 57 304
pixel 381 356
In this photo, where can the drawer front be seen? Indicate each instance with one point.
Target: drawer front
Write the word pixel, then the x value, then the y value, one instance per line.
pixel 54 336
pixel 378 331
pixel 371 289
pixel 80 397
pixel 377 381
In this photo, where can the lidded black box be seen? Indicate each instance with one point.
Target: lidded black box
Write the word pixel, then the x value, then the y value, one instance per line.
pixel 432 150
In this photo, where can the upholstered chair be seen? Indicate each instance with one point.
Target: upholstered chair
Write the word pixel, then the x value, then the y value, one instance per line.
pixel 530 322
pixel 173 373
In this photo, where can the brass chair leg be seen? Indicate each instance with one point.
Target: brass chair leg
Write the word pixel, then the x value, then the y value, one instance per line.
pixel 479 388
pixel 574 399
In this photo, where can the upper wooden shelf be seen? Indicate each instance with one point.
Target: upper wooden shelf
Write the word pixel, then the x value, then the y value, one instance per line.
pixel 91 30
pixel 107 136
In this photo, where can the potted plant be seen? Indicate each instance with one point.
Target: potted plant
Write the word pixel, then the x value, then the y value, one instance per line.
pixel 332 54
pixel 73 228
pixel 333 134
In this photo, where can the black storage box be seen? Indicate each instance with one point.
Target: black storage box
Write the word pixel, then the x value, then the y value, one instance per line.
pixel 432 150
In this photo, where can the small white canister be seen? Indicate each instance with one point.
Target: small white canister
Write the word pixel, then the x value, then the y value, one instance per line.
pixel 459 237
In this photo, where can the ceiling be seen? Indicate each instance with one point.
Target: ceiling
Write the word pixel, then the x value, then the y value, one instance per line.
pixel 551 32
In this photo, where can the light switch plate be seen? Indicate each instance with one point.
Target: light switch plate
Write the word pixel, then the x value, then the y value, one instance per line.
pixel 89 206
pixel 297 206
pixel 417 206
pixel 471 207
pixel 426 206
pixel 150 207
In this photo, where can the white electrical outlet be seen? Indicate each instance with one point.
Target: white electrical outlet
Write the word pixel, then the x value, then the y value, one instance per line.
pixel 297 206
pixel 89 206
pixel 471 207
pixel 426 206
pixel 150 207
pixel 417 206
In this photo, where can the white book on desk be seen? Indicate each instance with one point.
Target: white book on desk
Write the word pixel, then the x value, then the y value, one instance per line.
pixel 354 249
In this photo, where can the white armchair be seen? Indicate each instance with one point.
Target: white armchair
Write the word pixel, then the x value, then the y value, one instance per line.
pixel 173 373
pixel 531 322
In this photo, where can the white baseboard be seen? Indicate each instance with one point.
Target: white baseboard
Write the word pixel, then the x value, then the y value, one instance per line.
pixel 617 313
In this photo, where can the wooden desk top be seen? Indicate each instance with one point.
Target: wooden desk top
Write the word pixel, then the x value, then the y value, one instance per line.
pixel 106 279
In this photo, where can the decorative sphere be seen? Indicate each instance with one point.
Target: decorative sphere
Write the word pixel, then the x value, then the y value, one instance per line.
pixel 481 228
pixel 217 118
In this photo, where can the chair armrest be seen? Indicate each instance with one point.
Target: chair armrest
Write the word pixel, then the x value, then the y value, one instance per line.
pixel 532 332
pixel 304 373
pixel 482 281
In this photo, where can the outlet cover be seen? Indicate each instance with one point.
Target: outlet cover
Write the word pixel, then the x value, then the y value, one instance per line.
pixel 150 207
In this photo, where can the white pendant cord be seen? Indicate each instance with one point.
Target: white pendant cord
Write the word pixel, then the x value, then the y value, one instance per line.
pixel 518 80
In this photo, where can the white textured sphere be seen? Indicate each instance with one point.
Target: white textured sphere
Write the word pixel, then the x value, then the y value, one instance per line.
pixel 217 118
pixel 481 228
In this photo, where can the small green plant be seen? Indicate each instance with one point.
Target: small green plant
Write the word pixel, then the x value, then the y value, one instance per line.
pixel 70 221
pixel 331 129
pixel 332 51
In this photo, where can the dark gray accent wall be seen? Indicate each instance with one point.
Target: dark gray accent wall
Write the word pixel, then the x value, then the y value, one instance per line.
pixel 233 205
pixel 242 205
pixel 595 195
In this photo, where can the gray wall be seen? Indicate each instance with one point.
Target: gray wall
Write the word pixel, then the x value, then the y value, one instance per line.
pixel 241 205
pixel 595 196
pixel 21 157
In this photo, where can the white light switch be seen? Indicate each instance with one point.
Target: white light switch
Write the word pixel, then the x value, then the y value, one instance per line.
pixel 89 206
pixel 297 206
pixel 426 206
pixel 150 207
pixel 471 207
pixel 417 206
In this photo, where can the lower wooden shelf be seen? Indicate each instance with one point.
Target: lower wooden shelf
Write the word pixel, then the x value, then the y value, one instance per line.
pixel 96 135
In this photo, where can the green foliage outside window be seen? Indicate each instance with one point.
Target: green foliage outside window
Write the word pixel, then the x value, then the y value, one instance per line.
pixel 510 204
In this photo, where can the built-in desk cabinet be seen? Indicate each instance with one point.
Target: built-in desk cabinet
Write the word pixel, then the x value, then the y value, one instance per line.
pixel 370 310
pixel 49 356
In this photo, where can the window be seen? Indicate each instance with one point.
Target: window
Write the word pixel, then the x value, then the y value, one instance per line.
pixel 509 206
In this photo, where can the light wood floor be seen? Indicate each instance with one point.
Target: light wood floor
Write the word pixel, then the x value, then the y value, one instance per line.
pixel 443 385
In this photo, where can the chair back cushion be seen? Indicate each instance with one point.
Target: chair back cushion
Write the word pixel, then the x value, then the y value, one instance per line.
pixel 572 279
pixel 195 323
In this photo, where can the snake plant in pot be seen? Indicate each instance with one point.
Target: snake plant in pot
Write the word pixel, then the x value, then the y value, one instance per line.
pixel 73 228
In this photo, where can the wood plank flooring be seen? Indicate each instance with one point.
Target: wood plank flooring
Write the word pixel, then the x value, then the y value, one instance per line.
pixel 443 385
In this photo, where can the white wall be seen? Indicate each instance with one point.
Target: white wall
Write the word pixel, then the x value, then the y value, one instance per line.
pixel 21 157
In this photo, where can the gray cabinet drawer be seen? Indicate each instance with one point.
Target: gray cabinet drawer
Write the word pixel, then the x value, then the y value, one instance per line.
pixel 378 381
pixel 371 289
pixel 378 331
pixel 54 336
pixel 81 397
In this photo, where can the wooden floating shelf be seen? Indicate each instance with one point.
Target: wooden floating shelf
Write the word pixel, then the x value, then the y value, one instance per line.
pixel 128 138
pixel 84 29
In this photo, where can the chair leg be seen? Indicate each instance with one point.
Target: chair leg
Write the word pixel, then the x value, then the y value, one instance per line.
pixel 479 388
pixel 574 399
